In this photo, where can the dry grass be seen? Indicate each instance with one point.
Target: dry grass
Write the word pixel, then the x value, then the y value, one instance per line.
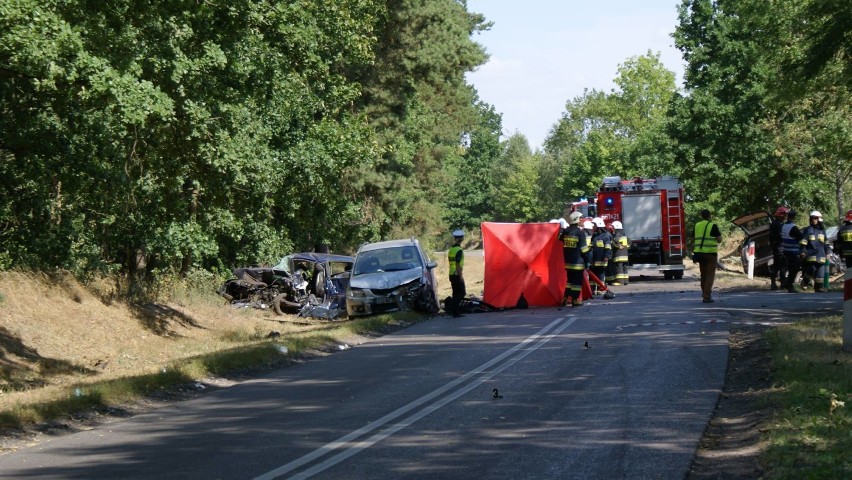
pixel 57 335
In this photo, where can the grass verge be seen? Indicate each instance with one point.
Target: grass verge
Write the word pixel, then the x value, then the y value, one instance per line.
pixel 810 435
pixel 257 356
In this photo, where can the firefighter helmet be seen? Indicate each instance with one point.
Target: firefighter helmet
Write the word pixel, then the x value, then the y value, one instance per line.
pixel 588 225
pixel 782 211
pixel 574 218
pixel 849 216
pixel 598 221
pixel 617 225
pixel 816 214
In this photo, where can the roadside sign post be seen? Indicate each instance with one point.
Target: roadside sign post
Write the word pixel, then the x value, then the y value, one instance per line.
pixel 750 257
pixel 847 310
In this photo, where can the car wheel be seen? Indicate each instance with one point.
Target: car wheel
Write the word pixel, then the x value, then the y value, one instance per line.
pixel 282 305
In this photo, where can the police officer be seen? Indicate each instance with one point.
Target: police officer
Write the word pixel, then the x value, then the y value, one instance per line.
pixel 574 249
pixel 707 238
pixel 456 258
pixel 814 244
pixel 601 250
pixel 779 262
pixel 621 246
pixel 844 240
pixel 790 237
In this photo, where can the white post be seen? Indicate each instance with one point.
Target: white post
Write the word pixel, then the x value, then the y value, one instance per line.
pixel 750 258
pixel 847 309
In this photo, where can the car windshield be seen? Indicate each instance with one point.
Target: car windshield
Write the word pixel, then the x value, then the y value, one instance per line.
pixel 391 259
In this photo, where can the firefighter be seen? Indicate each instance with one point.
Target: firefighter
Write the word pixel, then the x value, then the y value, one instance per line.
pixel 601 251
pixel 790 237
pixel 589 230
pixel 610 267
pixel 620 246
pixel 814 244
pixel 844 240
pixel 456 259
pixel 707 238
pixel 778 269
pixel 574 249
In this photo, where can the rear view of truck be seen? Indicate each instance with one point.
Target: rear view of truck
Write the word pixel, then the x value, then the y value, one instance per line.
pixel 651 211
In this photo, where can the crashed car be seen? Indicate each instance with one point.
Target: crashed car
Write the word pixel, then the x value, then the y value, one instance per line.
pixel 311 284
pixel 390 276
pixel 756 228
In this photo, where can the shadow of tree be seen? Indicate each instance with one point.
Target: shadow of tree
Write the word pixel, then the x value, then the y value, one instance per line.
pixel 21 366
pixel 159 318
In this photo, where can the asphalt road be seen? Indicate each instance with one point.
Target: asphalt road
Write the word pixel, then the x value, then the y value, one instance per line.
pixel 420 403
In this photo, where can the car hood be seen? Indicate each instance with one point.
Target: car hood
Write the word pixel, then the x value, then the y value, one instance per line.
pixel 385 280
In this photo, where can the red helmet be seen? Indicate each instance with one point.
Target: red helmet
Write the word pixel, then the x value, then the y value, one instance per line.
pixel 849 216
pixel 782 211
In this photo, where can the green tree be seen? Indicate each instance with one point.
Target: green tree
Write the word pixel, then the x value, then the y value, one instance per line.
pixel 620 133
pixel 471 177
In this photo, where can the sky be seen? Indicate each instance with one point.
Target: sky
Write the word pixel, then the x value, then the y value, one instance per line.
pixel 544 53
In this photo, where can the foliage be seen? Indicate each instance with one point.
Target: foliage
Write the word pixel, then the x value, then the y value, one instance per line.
pixel 161 138
pixel 618 133
pixel 748 140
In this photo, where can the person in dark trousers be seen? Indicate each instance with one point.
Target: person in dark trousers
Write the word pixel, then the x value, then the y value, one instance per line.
pixel 574 249
pixel 814 245
pixel 790 238
pixel 621 247
pixel 601 251
pixel 844 240
pixel 707 238
pixel 778 270
pixel 456 258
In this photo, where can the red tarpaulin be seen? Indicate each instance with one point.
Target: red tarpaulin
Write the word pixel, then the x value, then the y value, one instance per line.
pixel 523 258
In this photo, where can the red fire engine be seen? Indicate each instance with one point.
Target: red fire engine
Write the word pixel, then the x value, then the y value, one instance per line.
pixel 651 211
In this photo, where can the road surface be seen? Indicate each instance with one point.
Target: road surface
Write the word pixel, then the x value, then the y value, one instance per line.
pixel 420 403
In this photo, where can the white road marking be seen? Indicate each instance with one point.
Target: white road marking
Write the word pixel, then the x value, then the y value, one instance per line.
pixel 349 449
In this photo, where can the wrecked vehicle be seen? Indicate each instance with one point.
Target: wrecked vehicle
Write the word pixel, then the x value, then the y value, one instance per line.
pixel 390 276
pixel 756 228
pixel 310 284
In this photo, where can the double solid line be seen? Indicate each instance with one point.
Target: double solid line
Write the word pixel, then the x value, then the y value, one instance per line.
pixel 349 444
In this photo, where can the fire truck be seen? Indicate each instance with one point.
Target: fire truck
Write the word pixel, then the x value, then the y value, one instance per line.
pixel 651 211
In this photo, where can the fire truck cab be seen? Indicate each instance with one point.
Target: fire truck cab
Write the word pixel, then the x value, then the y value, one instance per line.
pixel 651 211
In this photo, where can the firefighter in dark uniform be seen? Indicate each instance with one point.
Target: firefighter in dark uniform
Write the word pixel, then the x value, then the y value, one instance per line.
pixel 456 257
pixel 574 249
pixel 814 244
pixel 620 246
pixel 844 240
pixel 610 267
pixel 601 251
pixel 778 269
pixel 790 237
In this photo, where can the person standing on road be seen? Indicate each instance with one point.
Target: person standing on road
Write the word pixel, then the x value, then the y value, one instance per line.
pixel 790 238
pixel 778 270
pixel 707 238
pixel 456 257
pixel 601 251
pixel 621 246
pixel 574 248
pixel 844 240
pixel 814 244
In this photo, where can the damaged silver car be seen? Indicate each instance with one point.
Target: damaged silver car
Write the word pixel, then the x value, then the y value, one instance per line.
pixel 390 276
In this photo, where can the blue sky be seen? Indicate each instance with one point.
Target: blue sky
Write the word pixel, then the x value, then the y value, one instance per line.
pixel 544 53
